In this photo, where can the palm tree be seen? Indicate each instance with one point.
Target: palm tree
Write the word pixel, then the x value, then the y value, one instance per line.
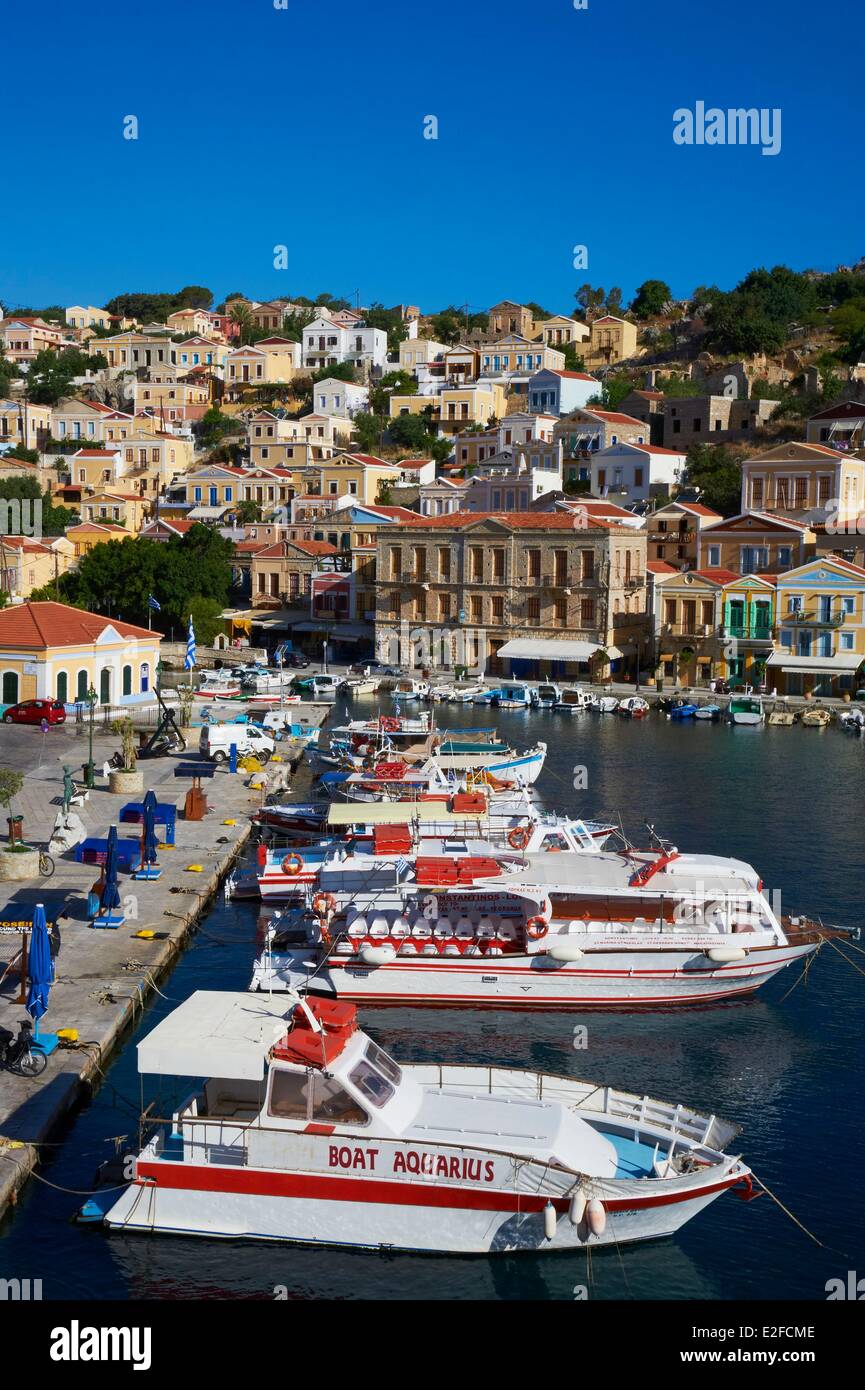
pixel 241 314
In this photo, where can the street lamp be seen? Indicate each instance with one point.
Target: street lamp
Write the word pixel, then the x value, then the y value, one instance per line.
pixel 91 700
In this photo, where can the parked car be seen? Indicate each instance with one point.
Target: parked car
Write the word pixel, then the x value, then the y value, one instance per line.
pixel 296 659
pixel 34 711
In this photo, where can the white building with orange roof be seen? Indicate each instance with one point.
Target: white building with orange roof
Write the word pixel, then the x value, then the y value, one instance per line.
pixel 54 651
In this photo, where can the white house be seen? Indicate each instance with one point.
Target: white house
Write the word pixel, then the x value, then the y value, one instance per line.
pixel 554 392
pixel 512 480
pixel 637 471
pixel 335 397
pixel 327 343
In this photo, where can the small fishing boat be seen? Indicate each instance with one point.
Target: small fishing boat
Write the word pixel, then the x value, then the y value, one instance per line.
pixel 852 721
pixel 514 697
pixel 604 704
pixel 486 696
pixel 317 689
pixel 633 707
pixel 746 709
pixel 307 1131
pixel 712 712
pixel 219 685
pixel 546 696
pixel 685 709
pixel 409 689
pixel 781 718
pixel 361 685
pixel 573 699
pixel 817 718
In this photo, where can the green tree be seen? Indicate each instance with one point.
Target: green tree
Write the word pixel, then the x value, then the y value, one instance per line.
pixel 716 471
pixel 589 299
pixel 207 619
pixel 247 512
pixel 392 384
pixel 408 431
pixel 51 373
pixel 650 298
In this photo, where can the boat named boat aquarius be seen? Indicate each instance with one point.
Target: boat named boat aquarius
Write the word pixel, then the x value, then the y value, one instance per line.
pixel 307 1131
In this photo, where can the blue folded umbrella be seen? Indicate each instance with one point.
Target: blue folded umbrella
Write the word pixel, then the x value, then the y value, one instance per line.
pixel 110 898
pixel 40 965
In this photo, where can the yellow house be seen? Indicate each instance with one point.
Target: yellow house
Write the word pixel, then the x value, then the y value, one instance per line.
pixel 151 459
pixel 127 509
pixel 88 422
pixel 172 401
pixel 86 316
pixel 820 629
pixel 358 476
pixel 193 321
pixel 199 351
pixel 455 407
pixel 270 360
pixel 127 351
pixel 84 535
pixel 54 651
pixel 212 488
pixel 811 482
pixel 22 422
pixel 612 340
pixel 27 564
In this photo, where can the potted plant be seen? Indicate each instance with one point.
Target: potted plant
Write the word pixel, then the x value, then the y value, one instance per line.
pixel 128 778
pixel 17 860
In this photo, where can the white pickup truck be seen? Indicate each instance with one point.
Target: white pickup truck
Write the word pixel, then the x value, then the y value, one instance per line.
pixel 216 740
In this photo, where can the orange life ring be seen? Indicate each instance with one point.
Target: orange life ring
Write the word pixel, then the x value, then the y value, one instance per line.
pixel 292 864
pixel 536 928
pixel 323 904
pixel 519 837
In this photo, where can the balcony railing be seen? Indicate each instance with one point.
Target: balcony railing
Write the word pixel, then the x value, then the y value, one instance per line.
pixel 753 632
pixel 812 619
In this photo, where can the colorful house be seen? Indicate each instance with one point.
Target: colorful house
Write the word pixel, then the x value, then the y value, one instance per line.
pixel 820 629
pixel 53 651
pixel 747 628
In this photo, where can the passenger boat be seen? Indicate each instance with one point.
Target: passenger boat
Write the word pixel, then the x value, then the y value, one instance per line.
pixel 462 839
pixel 633 707
pixel 546 696
pixel 219 685
pixel 410 689
pixel 513 697
pixel 633 929
pixel 307 1131
pixel 573 699
pixel 746 709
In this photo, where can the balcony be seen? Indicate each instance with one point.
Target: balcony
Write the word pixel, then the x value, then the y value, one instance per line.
pixel 690 629
pixel 747 632
pixel 812 619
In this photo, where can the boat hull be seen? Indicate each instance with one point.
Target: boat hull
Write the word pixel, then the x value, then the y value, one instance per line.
pixel 318 1208
pixel 606 979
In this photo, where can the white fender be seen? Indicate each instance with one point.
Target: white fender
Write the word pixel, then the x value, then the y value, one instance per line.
pixel 565 950
pixel 549 1221
pixel 577 1208
pixel 377 955
pixel 596 1217
pixel 723 955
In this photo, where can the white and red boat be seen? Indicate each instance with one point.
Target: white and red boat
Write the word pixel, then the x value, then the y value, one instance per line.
pixel 307 1131
pixel 600 929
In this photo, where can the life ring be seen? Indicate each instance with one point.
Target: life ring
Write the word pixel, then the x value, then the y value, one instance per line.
pixel 536 928
pixel 519 837
pixel 292 864
pixel 323 905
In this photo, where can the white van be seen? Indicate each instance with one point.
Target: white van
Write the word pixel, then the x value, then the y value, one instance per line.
pixel 216 740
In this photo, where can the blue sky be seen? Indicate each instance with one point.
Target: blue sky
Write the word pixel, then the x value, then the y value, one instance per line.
pixel 304 127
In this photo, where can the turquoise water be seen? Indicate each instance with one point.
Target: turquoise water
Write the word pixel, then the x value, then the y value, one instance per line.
pixel 788 1069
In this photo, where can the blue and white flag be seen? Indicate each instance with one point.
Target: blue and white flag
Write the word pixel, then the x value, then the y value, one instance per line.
pixel 402 867
pixel 190 648
pixel 154 604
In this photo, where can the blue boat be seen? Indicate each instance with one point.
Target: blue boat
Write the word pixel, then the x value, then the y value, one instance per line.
pixel 683 712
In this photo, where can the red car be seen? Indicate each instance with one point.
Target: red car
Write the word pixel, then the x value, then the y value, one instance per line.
pixel 34 711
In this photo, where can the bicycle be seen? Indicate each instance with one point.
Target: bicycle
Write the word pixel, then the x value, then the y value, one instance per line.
pixel 46 864
pixel 18 1055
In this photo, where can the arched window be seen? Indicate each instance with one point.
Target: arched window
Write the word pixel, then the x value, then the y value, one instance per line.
pixel 145 677
pixel 127 680
pixel 10 687
pixel 82 686
pixel 62 687
pixel 105 686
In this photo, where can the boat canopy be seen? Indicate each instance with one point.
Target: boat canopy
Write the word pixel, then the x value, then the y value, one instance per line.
pixel 396 813
pixel 216 1033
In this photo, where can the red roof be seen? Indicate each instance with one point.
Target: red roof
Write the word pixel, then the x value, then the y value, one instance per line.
pixel 719 575
pixel 279 551
pixel 179 526
pixel 38 625
pixel 660 567
pixel 579 376
pixel 538 521
pixel 96 453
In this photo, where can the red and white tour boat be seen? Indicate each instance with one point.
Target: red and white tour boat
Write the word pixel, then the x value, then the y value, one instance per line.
pixel 307 1131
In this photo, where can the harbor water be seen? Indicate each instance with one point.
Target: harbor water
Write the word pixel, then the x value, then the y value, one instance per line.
pixel 786 1064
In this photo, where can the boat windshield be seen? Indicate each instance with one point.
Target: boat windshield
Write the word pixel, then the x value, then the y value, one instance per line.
pixel 376 1075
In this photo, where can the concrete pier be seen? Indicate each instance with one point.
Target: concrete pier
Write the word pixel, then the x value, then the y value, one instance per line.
pixel 103 977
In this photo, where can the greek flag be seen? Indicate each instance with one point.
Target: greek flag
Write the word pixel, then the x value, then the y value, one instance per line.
pixel 154 604
pixel 402 867
pixel 190 648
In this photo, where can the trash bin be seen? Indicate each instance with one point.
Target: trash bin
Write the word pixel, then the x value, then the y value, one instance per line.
pixel 16 828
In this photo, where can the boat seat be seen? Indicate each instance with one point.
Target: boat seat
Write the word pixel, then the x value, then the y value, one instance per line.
pixel 408 948
pixel 507 932
pixel 465 933
pixel 487 930
pixel 473 950
pixel 486 922
pixel 379 927
pixel 443 930
pixel 463 924
pixel 421 931
pixel 429 949
pixel 493 951
pixel 344 948
pixel 400 926
pixel 357 926
pixel 451 949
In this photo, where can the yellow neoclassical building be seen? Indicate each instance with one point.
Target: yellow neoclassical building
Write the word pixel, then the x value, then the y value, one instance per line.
pixel 54 651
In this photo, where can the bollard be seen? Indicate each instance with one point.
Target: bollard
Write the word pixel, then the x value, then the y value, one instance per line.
pixel 232 758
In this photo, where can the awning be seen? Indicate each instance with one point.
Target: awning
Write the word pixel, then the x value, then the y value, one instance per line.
pixel 216 1033
pixel 339 632
pixel 393 813
pixel 838 665
pixel 207 513
pixel 539 649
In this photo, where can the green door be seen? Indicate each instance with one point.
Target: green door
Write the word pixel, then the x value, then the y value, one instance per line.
pixel 10 687
pixel 62 687
pixel 105 686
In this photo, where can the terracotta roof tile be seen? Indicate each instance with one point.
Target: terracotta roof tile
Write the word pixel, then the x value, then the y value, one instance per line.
pixel 34 626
